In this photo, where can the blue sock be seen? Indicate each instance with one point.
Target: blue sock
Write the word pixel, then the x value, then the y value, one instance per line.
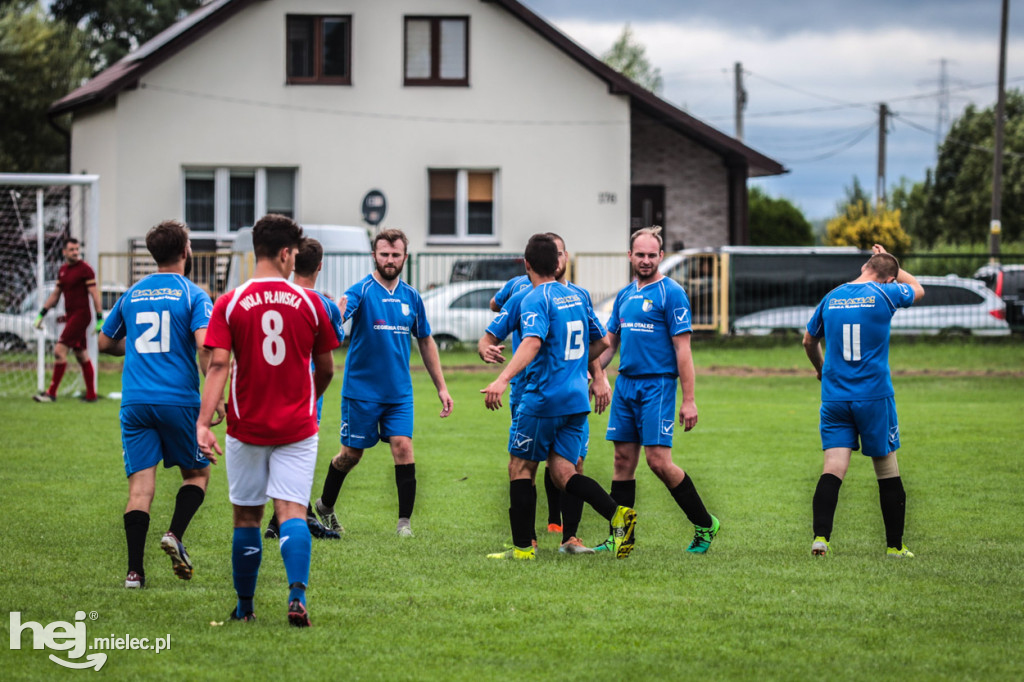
pixel 245 565
pixel 296 547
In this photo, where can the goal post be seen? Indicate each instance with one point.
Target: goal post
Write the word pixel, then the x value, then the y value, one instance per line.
pixel 37 211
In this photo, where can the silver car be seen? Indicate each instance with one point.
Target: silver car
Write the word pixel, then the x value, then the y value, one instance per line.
pixel 460 312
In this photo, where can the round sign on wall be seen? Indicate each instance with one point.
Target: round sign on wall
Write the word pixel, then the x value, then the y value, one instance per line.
pixel 374 207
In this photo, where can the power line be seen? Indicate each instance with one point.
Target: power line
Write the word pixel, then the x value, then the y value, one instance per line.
pixel 821 157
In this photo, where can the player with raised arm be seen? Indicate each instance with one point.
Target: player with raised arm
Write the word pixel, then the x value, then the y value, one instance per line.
pixel 650 327
pixel 76 282
pixel 564 510
pixel 376 393
pixel 560 339
pixel 308 263
pixel 857 398
pixel 274 329
pixel 158 325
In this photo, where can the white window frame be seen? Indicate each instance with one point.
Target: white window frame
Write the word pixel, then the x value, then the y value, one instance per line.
pixel 222 196
pixel 462 236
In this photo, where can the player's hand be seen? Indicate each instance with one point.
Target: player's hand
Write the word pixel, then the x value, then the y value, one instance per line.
pixel 38 324
pixel 688 414
pixel 99 323
pixel 493 393
pixel 492 355
pixel 878 248
pixel 601 392
pixel 342 302
pixel 447 404
pixel 208 443
pixel 221 413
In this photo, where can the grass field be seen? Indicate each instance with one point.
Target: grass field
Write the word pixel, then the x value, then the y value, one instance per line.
pixel 433 607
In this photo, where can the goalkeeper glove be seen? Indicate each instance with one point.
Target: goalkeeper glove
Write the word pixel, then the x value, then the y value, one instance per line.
pixel 99 322
pixel 39 318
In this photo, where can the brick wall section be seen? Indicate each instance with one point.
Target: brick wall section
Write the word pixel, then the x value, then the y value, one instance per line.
pixel 695 179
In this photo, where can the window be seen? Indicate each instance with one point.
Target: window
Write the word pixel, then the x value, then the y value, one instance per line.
pixel 220 201
pixel 938 294
pixel 474 300
pixel 437 51
pixel 462 206
pixel 319 49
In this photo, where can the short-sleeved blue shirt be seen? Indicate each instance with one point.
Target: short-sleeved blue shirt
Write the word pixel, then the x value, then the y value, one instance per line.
pixel 511 287
pixel 383 324
pixel 855 320
pixel 645 320
pixel 158 317
pixel 560 316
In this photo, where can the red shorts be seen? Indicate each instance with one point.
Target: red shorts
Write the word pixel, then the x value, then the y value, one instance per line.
pixel 75 329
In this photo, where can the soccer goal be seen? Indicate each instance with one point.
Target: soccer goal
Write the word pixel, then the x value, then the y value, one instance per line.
pixel 37 212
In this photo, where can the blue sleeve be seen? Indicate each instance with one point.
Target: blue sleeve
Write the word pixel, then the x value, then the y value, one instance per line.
pixel 677 308
pixel 421 327
pixel 904 296
pixel 202 309
pixel 113 324
pixel 503 294
pixel 597 330
pixel 353 296
pixel 613 321
pixel 507 320
pixel 533 316
pixel 816 325
pixel 336 321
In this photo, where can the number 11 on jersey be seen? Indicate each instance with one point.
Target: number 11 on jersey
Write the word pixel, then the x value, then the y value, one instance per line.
pixel 851 342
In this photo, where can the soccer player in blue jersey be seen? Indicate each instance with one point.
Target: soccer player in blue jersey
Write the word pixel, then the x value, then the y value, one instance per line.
pixel 857 397
pixel 559 340
pixel 308 263
pixel 650 327
pixel 564 510
pixel 376 392
pixel 159 325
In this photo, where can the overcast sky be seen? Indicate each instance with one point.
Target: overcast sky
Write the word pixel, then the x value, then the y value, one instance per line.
pixel 815 71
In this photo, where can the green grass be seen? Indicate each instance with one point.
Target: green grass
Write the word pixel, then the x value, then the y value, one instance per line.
pixel 755 607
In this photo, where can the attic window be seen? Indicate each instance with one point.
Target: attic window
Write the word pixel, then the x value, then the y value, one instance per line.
pixel 437 51
pixel 319 49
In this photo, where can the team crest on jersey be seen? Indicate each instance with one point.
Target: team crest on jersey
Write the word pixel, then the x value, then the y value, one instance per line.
pixel 667 425
pixel 647 305
pixel 405 309
pixel 520 442
pixel 529 319
pixel 208 309
pixel 681 314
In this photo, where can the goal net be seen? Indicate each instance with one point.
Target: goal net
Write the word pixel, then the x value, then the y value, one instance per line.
pixel 37 212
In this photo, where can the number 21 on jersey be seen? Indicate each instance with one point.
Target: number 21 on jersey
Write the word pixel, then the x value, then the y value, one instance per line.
pixel 156 338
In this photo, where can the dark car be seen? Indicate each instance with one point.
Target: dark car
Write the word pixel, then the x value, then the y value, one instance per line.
pixel 498 268
pixel 1007 281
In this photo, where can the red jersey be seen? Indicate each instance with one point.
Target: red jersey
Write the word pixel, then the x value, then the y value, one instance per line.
pixel 74 281
pixel 273 328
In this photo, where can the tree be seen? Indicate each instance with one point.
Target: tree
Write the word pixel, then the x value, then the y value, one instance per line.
pixel 776 222
pixel 863 226
pixel 855 194
pixel 40 61
pixel 629 57
pixel 115 27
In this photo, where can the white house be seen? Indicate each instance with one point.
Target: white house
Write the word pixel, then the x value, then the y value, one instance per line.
pixel 478 121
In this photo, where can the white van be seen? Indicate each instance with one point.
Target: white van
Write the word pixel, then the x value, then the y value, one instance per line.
pixel 347 256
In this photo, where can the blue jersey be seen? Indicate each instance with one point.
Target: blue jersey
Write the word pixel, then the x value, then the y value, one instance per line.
pixel 383 324
pixel 855 321
pixel 334 313
pixel 512 287
pixel 158 318
pixel 645 320
pixel 559 315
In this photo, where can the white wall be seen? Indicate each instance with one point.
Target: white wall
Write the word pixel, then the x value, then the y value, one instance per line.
pixel 223 102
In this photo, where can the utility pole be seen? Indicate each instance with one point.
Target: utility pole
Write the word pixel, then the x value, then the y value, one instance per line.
pixel 883 116
pixel 995 225
pixel 940 125
pixel 741 100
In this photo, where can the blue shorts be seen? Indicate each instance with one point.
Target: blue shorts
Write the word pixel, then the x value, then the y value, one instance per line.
pixel 534 438
pixel 874 421
pixel 364 422
pixel 150 433
pixel 643 410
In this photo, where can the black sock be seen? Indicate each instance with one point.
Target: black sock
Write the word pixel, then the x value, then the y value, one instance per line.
pixel 572 512
pixel 893 499
pixel 273 522
pixel 591 492
pixel 624 492
pixel 310 514
pixel 136 525
pixel 689 501
pixel 553 493
pixel 190 497
pixel 405 479
pixel 332 486
pixel 826 497
pixel 522 511
pixel 533 512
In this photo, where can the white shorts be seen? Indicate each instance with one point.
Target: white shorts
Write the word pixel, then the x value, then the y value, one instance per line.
pixel 258 473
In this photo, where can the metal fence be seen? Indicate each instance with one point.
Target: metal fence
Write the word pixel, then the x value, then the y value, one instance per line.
pixel 775 297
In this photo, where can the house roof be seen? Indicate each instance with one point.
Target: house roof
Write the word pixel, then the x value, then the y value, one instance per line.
pixel 125 75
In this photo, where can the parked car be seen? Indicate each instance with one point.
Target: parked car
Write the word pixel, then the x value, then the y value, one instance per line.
pixel 498 268
pixel 1007 282
pixel 460 312
pixel 951 305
